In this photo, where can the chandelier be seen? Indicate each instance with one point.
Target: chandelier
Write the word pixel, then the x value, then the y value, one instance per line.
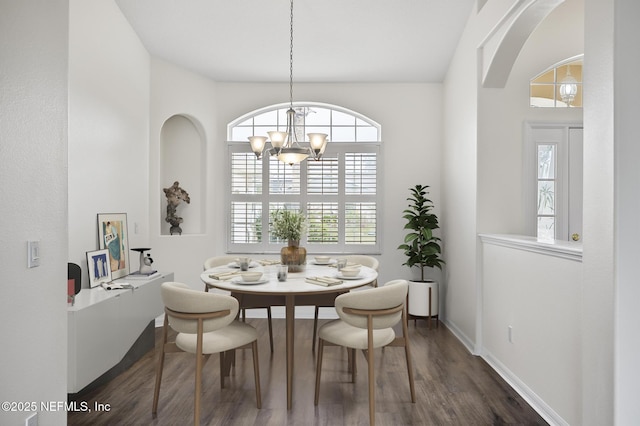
pixel 285 145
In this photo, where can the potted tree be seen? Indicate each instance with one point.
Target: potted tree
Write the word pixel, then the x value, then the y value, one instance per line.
pixel 290 225
pixel 423 250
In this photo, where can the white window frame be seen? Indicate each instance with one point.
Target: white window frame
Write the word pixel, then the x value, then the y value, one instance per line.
pixel 333 149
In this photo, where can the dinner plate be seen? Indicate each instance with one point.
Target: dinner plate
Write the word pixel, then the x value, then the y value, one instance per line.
pixel 240 281
pixel 342 277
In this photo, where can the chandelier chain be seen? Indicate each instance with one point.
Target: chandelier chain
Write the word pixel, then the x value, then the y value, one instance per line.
pixel 285 144
pixel 291 57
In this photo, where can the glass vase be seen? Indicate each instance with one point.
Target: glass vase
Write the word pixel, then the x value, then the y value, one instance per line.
pixel 294 256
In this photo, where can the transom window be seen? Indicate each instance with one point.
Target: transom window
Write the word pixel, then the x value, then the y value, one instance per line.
pixel 559 86
pixel 339 193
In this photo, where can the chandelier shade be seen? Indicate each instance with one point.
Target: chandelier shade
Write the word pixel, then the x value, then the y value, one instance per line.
pixel 285 145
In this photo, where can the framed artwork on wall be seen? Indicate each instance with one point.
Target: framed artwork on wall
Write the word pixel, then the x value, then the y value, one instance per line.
pixel 112 236
pixel 98 267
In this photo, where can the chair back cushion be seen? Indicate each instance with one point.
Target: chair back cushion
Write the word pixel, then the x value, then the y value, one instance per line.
pixel 182 298
pixel 390 295
pixel 364 260
pixel 214 261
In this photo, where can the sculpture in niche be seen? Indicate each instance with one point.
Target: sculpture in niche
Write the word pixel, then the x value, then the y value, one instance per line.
pixel 175 195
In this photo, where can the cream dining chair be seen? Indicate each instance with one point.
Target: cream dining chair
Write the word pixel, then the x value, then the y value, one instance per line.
pixel 366 321
pixel 215 261
pixel 359 259
pixel 205 324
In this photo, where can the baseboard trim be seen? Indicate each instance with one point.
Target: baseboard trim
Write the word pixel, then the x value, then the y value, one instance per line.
pixel 468 343
pixel 537 403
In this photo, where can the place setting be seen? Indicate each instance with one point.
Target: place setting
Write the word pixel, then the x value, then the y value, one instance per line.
pixel 323 260
pixel 243 263
pixel 350 272
pixel 250 278
pixel 225 275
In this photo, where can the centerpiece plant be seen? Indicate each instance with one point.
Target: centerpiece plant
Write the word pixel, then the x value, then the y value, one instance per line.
pixel 290 225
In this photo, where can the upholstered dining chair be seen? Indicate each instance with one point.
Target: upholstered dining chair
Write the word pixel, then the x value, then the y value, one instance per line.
pixel 366 321
pixel 214 261
pixel 359 259
pixel 206 324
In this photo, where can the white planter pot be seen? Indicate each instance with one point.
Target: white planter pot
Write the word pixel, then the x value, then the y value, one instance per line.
pixel 419 298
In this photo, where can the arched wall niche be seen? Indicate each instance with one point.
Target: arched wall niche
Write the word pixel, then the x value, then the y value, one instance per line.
pixel 182 154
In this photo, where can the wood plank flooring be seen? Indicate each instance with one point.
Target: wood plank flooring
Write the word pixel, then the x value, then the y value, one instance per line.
pixel 453 387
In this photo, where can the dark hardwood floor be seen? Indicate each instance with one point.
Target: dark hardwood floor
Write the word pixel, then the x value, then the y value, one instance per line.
pixel 453 387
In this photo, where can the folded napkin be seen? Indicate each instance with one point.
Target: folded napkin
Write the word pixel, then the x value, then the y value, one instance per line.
pixel 223 276
pixel 324 281
pixel 266 262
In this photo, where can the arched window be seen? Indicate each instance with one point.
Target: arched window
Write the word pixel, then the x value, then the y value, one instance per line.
pixel 339 193
pixel 559 86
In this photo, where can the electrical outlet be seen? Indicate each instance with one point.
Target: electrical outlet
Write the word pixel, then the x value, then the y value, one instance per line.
pixel 33 254
pixel 510 334
pixel 32 420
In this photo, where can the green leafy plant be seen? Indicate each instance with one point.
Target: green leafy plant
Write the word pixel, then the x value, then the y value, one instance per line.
pixel 420 246
pixel 288 225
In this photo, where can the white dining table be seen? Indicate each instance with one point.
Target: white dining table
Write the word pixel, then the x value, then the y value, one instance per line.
pixel 295 291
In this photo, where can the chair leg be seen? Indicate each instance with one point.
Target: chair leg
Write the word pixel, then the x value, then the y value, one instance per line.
pixel 315 329
pixel 198 387
pixel 318 370
pixel 156 392
pixel 354 369
pixel 372 383
pixel 256 373
pixel 405 331
pixel 227 360
pixel 160 366
pixel 222 370
pixel 270 328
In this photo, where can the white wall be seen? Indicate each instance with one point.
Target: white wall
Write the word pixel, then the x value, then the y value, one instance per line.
pixel 627 189
pixel 598 217
pixel 108 127
pixel 411 153
pixel 33 147
pixel 532 289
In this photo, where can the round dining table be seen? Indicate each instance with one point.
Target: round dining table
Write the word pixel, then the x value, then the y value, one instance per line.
pixel 295 291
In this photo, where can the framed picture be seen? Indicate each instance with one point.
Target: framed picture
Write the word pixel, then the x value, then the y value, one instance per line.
pixel 98 267
pixel 112 235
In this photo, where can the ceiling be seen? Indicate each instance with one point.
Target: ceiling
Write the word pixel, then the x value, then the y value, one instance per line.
pixel 334 40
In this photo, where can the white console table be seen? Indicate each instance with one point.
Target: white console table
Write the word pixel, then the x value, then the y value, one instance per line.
pixel 103 325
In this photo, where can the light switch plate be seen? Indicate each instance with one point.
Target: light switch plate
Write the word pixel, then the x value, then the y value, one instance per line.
pixel 33 254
